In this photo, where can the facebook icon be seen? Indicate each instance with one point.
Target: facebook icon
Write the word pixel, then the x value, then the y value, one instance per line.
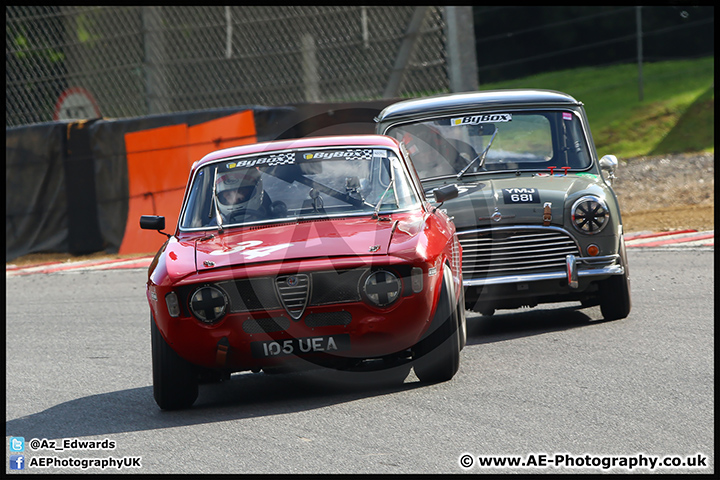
pixel 17 462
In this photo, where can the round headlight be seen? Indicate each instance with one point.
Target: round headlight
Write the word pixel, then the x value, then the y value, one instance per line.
pixel 590 214
pixel 381 288
pixel 208 304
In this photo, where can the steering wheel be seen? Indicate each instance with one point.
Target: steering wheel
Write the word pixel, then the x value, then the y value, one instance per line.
pixel 249 212
pixel 278 209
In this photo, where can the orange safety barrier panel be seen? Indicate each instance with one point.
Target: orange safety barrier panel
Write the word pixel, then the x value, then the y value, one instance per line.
pixel 159 162
pixel 225 132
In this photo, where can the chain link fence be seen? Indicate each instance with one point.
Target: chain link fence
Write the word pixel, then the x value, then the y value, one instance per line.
pixel 120 62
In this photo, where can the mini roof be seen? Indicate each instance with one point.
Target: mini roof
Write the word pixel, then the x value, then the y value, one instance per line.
pixel 475 101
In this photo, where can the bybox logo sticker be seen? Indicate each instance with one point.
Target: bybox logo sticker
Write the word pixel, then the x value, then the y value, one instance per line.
pixel 17 444
pixel 17 462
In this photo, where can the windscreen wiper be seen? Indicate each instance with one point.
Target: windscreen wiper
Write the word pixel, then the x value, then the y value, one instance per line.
pixel 480 157
pixel 218 217
pixel 376 212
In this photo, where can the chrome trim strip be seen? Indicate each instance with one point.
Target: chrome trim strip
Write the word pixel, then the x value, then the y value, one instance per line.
pixel 514 227
pixel 538 277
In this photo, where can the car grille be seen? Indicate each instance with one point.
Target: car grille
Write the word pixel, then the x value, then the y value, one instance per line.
pixel 499 251
pixel 294 291
pixel 336 287
pixel 249 295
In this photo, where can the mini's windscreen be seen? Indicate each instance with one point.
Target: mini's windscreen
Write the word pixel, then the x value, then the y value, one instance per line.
pixel 518 140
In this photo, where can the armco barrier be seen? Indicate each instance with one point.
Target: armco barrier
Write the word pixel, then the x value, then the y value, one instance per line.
pixel 35 194
pixel 83 229
pixel 315 119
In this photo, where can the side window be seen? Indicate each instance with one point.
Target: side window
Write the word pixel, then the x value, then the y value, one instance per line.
pixel 578 154
pixel 197 212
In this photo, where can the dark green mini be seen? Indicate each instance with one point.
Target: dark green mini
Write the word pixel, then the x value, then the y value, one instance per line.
pixel 537 218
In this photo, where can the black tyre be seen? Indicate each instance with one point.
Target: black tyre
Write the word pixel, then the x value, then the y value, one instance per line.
pixel 615 300
pixel 437 356
pixel 462 320
pixel 175 380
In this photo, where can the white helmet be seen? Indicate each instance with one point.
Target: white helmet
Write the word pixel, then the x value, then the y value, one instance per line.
pixel 239 191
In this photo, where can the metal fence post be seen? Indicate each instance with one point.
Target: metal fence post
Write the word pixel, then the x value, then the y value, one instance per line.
pixel 310 68
pixel 406 49
pixel 155 94
pixel 461 59
pixel 638 21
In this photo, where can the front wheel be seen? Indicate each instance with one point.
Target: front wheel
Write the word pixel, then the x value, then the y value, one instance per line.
pixel 175 380
pixel 615 301
pixel 437 356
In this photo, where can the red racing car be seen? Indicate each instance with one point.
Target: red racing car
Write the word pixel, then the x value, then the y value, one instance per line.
pixel 319 252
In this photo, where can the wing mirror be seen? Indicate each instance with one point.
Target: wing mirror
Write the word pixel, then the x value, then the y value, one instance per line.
pixel 153 222
pixel 608 165
pixel 444 193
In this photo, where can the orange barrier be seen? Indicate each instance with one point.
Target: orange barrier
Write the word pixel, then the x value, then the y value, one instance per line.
pixel 159 161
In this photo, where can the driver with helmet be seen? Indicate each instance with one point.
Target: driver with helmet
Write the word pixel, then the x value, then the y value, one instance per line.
pixel 240 195
pixel 432 153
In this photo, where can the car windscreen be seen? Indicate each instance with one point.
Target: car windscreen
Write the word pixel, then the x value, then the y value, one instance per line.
pixel 521 140
pixel 286 185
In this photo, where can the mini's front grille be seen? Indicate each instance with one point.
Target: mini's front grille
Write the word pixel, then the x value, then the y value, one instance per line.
pixel 497 252
pixel 265 325
pixel 327 319
pixel 249 295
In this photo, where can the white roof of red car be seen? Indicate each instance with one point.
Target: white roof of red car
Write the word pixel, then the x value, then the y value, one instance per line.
pixel 301 143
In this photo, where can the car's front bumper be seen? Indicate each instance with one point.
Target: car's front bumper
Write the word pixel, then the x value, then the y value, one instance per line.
pixel 575 268
pixel 523 265
pixel 238 342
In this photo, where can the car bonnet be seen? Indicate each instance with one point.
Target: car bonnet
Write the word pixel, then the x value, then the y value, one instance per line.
pixel 307 239
pixel 516 200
